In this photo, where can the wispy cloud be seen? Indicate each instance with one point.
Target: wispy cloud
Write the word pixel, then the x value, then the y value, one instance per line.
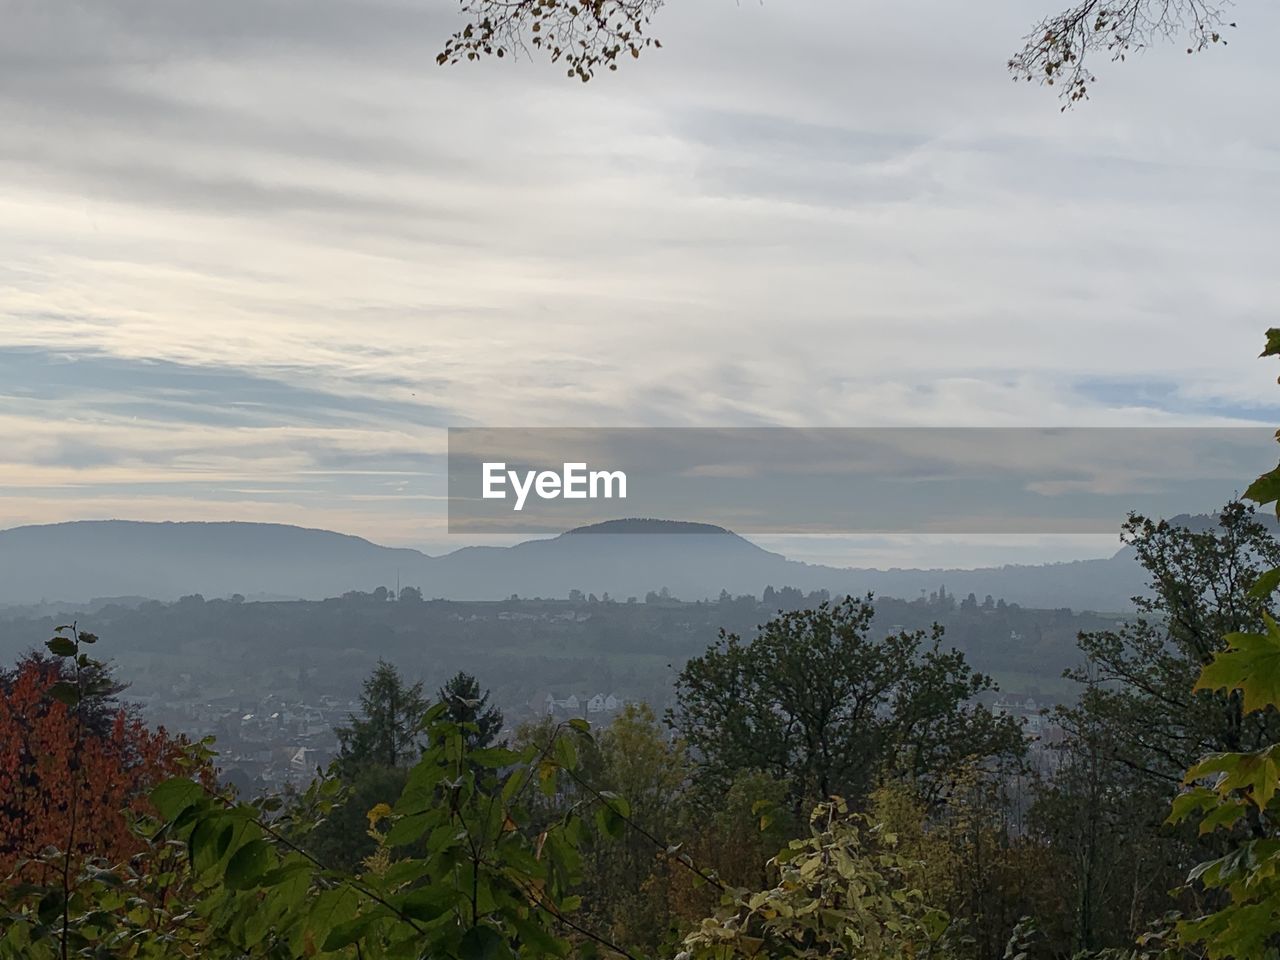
pixel 256 257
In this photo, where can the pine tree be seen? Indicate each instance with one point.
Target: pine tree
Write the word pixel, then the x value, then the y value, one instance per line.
pixel 387 734
pixel 466 704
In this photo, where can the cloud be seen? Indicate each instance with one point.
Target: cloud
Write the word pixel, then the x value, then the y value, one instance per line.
pixel 249 240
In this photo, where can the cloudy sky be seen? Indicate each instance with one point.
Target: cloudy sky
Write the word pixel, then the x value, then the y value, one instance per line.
pixel 256 255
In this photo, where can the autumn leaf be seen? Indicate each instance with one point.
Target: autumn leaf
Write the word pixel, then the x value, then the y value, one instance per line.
pixel 1250 664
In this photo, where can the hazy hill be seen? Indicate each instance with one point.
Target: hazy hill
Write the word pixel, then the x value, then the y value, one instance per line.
pixel 76 561
pixel 166 560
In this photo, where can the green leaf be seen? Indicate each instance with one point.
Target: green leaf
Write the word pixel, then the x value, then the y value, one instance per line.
pixel 547 778
pixel 1250 664
pixel 532 934
pixel 248 864
pixel 1189 802
pixel 617 801
pixel 482 943
pixel 1266 489
pixel 50 906
pixel 1257 773
pixel 565 754
pixel 1225 815
pixel 609 822
pixel 65 692
pixel 427 903
pixel 1273 343
pixel 580 724
pixel 172 797
pixel 1266 584
pixel 350 931
pixel 283 873
pixel 61 647
pixel 495 757
pixel 331 909
pixel 408 829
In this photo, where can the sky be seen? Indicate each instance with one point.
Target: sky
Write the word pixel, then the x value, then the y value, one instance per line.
pixel 256 255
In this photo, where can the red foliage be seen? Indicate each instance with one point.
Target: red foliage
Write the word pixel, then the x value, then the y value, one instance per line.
pixel 41 771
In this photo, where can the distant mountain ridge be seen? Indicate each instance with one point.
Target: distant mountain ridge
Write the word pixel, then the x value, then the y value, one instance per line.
pixel 78 560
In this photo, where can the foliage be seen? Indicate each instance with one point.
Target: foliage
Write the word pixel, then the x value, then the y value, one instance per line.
pixel 1100 825
pixel 458 872
pixel 629 879
pixel 515 648
pixel 388 734
pixel 590 34
pixel 484 853
pixel 1235 792
pixel 1141 680
pixel 1141 720
pixel 101 704
pixel 466 706
pixel 73 794
pixel 585 34
pixel 973 857
pixel 75 769
pixel 739 833
pixel 842 892
pixel 1057 48
pixel 815 701
pixel 375 751
pixel 342 839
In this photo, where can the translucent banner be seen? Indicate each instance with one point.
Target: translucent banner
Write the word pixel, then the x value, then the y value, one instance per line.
pixel 855 480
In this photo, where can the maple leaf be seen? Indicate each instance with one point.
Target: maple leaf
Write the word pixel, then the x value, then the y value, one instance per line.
pixel 1250 664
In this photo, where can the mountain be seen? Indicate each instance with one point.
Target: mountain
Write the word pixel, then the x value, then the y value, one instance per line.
pixel 79 560
pixel 166 560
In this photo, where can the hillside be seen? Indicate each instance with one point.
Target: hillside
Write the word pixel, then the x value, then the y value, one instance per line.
pixel 81 560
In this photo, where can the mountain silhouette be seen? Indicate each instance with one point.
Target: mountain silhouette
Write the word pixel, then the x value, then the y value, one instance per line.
pixel 81 560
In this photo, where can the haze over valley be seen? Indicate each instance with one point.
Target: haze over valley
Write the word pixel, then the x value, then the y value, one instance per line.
pixel 80 561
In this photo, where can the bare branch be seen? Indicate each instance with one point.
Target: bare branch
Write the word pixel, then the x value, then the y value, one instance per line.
pixel 584 34
pixel 1057 50
pixel 589 35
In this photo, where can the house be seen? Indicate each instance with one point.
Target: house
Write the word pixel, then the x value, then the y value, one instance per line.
pixel 577 705
pixel 570 704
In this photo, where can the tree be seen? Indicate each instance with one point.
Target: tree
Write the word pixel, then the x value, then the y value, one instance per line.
pixel 458 872
pixel 387 733
pixel 629 887
pixel 1139 723
pixel 589 35
pixel 1056 50
pixel 1114 863
pixel 1235 792
pixel 410 595
pixel 841 892
pixel 74 765
pixel 98 709
pixel 1138 683
pixel 973 857
pixel 465 705
pixel 815 701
